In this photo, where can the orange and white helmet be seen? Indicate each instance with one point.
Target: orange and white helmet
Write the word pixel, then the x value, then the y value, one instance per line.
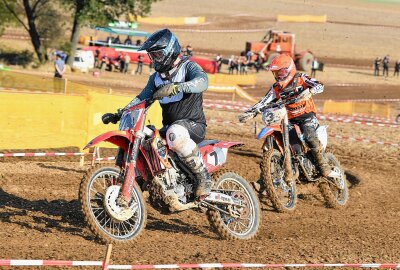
pixel 283 69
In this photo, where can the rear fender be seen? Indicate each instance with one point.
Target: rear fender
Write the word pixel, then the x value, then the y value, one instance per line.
pixel 118 138
pixel 215 155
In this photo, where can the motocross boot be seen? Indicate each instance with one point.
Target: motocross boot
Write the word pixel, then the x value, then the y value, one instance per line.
pixel 195 163
pixel 321 161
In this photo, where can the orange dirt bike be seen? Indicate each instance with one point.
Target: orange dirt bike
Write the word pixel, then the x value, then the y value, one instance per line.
pixel 112 200
pixel 287 159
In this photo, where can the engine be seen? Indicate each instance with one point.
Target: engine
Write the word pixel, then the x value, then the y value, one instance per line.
pixel 170 190
pixel 177 182
pixel 308 166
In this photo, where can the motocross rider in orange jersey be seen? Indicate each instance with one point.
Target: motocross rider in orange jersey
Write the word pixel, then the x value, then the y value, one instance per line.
pixel 302 113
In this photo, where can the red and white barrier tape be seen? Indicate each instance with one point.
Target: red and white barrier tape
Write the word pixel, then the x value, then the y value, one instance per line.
pixel 191 265
pixel 363 100
pixel 41 154
pixel 353 121
pixel 220 30
pixel 366 140
pixel 105 159
pixel 48 263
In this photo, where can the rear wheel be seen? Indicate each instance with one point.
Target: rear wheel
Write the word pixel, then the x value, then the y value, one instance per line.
pixel 305 62
pixel 106 219
pixel 243 221
pixel 335 192
pixel 283 197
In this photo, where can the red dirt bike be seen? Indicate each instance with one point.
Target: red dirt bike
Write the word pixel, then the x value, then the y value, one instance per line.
pixel 286 160
pixel 232 206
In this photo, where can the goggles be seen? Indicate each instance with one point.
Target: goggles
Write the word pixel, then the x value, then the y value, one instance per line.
pixel 281 75
pixel 157 56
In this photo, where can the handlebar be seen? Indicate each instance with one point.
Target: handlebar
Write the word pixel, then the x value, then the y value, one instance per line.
pixel 288 97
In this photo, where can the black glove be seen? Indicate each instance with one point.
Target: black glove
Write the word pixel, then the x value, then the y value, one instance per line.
pixel 167 90
pixel 112 117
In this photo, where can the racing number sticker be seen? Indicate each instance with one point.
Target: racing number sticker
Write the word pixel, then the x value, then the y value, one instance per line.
pixel 216 157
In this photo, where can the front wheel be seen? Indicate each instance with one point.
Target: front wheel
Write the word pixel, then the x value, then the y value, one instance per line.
pixel 282 196
pixel 335 192
pixel 111 223
pixel 246 220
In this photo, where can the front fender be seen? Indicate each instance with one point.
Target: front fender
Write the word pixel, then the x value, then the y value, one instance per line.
pixel 118 138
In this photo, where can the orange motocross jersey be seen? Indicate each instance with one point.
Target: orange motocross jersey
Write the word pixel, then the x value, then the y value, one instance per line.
pixel 300 82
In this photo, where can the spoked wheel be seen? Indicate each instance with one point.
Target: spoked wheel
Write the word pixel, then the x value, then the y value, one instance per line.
pixel 283 197
pixel 107 220
pixel 235 222
pixel 335 191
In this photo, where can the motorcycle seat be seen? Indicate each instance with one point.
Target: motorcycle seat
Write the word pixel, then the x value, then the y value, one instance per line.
pixel 207 142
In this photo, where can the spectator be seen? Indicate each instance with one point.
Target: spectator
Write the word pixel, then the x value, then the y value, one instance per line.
pixel 151 67
pixel 120 61
pixel 236 64
pixel 117 40
pixel 59 66
pixel 127 60
pixel 377 64
pixel 231 64
pixel 257 62
pixel 138 42
pixel 249 55
pixel 386 65
pixel 139 65
pixel 189 51
pixel 218 60
pixel 396 68
pixel 241 64
pixel 314 67
pixel 104 61
pixel 128 41
pixel 96 58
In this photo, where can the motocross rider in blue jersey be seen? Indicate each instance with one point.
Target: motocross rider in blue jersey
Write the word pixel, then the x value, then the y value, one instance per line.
pixel 179 85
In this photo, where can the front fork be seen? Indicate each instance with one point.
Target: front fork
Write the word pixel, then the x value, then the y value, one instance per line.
pixel 130 174
pixel 287 156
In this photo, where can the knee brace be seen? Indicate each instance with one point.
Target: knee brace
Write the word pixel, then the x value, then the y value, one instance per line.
pixel 178 140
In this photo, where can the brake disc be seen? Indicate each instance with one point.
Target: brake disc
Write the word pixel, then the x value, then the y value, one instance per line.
pixel 117 212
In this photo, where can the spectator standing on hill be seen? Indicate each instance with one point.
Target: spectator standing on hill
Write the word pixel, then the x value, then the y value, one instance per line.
pixel 127 60
pixel 314 67
pixel 377 64
pixel 386 65
pixel 396 68
pixel 139 65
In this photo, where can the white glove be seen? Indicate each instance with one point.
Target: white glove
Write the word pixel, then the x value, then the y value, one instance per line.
pixel 246 116
pixel 317 89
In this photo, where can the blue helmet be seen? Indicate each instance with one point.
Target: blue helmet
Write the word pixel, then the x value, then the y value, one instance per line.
pixel 163 49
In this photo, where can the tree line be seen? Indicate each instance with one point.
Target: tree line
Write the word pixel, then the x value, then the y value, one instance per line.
pixel 45 20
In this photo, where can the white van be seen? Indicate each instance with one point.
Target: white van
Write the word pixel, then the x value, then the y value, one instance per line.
pixel 83 60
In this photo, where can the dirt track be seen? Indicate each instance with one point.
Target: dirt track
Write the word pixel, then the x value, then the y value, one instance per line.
pixel 41 219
